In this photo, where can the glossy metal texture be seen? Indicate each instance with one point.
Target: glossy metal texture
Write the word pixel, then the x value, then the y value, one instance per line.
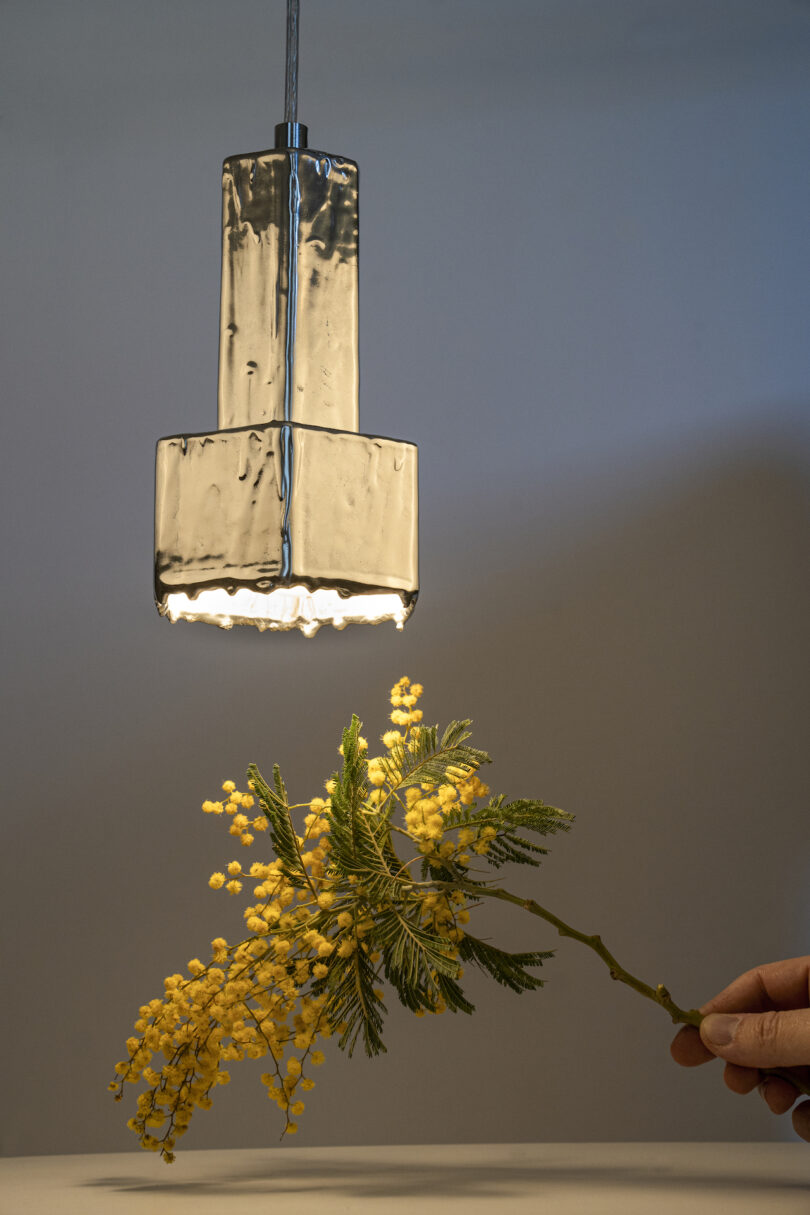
pixel 288 315
pixel 287 517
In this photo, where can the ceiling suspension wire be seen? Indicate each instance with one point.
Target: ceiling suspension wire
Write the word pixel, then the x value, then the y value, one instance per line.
pixel 291 63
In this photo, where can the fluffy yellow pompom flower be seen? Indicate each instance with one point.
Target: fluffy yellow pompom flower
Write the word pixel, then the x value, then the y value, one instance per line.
pixel 376 772
pixel 228 786
pixel 216 881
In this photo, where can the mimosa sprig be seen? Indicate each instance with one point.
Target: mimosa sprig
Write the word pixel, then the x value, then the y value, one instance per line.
pixel 372 885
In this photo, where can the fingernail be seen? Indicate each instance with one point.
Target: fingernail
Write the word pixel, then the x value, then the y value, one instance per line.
pixel 719 1028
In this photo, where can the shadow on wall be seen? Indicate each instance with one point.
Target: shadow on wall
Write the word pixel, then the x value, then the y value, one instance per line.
pixel 673 629
pixel 661 650
pixel 660 663
pixel 679 609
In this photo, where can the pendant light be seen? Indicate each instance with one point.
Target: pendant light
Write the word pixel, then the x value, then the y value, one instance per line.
pixel 286 517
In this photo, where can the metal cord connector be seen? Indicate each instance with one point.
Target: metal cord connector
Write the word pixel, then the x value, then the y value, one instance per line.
pixel 291 135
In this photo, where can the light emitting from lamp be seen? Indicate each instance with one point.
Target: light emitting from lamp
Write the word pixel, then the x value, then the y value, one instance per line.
pixel 286 517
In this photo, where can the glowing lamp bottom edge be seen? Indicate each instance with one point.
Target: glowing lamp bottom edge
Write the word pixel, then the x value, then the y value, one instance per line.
pixel 288 607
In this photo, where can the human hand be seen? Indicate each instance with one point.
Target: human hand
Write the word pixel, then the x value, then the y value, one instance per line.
pixel 761 1020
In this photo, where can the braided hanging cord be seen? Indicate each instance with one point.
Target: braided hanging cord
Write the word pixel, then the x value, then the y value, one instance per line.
pixel 291 63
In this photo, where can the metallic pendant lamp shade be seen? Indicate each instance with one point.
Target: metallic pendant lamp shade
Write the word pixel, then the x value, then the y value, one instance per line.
pixel 286 516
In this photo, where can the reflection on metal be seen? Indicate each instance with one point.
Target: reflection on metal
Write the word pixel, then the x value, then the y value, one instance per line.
pixel 287 517
pixel 288 316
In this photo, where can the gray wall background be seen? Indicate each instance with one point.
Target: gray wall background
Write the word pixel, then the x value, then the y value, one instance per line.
pixel 584 293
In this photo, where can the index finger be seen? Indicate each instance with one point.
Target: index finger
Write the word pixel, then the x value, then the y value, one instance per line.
pixel 776 986
pixel 687 1048
pixel 773 987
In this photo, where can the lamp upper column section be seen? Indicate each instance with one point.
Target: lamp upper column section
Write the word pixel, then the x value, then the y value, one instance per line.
pixel 289 316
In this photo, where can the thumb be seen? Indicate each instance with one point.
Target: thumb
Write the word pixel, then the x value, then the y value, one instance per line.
pixel 769 1039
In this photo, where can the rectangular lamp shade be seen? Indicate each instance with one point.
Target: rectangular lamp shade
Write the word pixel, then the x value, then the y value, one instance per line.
pixel 287 516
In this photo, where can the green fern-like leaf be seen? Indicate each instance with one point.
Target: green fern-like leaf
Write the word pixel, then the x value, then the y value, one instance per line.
pixel 452 995
pixel 426 758
pixel 353 1002
pixel 274 804
pixel 508 819
pixel 413 956
pixel 422 966
pixel 508 969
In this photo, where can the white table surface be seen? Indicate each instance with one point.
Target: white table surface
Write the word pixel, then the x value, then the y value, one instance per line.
pixel 548 1178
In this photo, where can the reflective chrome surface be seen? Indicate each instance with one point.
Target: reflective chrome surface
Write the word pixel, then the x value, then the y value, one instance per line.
pixel 288 337
pixel 232 514
pixel 286 517
pixel 291 135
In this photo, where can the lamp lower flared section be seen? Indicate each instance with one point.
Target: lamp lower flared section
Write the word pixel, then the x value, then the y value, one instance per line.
pixel 286 526
pixel 289 607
